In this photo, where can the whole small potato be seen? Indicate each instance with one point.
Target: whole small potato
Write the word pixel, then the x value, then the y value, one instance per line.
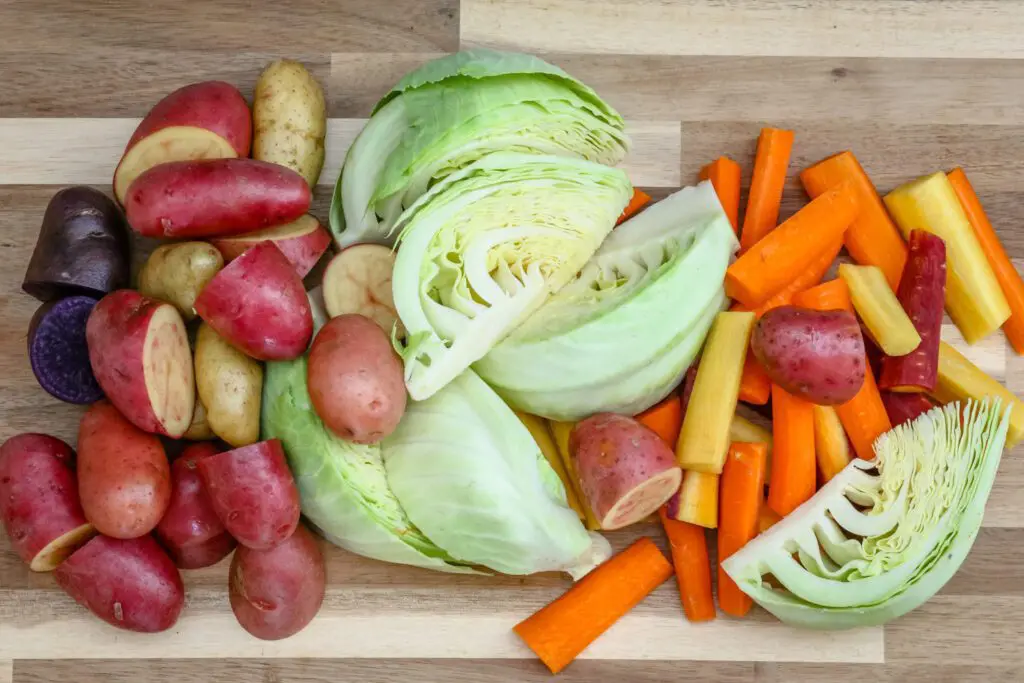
pixel 176 273
pixel 355 379
pixel 230 385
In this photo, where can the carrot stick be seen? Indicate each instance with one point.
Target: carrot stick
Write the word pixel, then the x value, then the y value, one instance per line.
pixel 864 417
pixel 755 387
pixel 833 295
pixel 664 419
pixel 638 201
pixel 693 569
pixel 789 250
pixel 564 628
pixel 801 282
pixel 1008 277
pixel 769 178
pixel 873 239
pixel 793 464
pixel 724 174
pixel 766 518
pixel 830 444
pixel 739 501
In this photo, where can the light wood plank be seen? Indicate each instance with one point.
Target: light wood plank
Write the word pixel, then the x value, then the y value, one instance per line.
pixel 981 672
pixel 6 671
pixel 825 28
pixel 358 80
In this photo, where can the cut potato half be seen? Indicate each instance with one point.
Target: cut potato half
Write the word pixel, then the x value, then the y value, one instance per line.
pixel 175 143
pixel 358 280
pixel 643 500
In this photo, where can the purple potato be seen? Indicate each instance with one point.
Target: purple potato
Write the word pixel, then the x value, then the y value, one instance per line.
pixel 58 352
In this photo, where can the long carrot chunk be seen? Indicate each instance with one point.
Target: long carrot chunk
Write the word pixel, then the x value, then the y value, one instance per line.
pixel 696 501
pixel 905 407
pixel 559 632
pixel 830 444
pixel 739 503
pixel 664 419
pixel 960 379
pixel 766 184
pixel 864 417
pixel 877 305
pixel 639 200
pixel 742 430
pixel 793 478
pixel 793 247
pixel 801 282
pixel 724 174
pixel 693 568
pixel 766 518
pixel 833 295
pixel 1008 277
pixel 755 387
pixel 873 238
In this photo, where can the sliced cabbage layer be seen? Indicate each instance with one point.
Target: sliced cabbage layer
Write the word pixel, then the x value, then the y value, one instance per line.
pixel 485 247
pixel 884 535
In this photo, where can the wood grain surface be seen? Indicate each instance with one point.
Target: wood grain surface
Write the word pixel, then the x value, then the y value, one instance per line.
pixel 911 85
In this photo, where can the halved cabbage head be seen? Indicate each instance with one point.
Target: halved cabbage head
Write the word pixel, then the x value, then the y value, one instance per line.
pixel 470 475
pixel 622 334
pixel 454 110
pixel 884 535
pixel 485 247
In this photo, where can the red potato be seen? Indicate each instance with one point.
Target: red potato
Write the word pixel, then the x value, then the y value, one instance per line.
pixel 139 352
pixel 358 280
pixel 208 120
pixel 258 304
pixel 302 242
pixel 124 478
pixel 276 593
pixel 626 470
pixel 905 407
pixel 355 378
pixel 815 355
pixel 253 493
pixel 190 529
pixel 130 584
pixel 207 198
pixel 39 502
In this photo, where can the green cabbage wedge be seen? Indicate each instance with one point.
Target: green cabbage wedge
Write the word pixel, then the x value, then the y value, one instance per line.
pixel 486 247
pixel 451 112
pixel 885 535
pixel 620 336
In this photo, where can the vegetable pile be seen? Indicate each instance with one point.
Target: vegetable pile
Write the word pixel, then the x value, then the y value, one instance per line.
pixel 512 350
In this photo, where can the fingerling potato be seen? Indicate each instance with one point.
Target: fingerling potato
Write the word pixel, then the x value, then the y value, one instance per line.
pixel 230 385
pixel 289 114
pixel 176 273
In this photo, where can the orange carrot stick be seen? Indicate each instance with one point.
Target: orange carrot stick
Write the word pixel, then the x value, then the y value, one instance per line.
pixel 1009 279
pixel 564 628
pixel 693 569
pixel 830 444
pixel 793 465
pixel 664 419
pixel 638 201
pixel 789 250
pixel 864 417
pixel 766 518
pixel 873 238
pixel 724 174
pixel 808 278
pixel 755 387
pixel 833 295
pixel 739 501
pixel 769 178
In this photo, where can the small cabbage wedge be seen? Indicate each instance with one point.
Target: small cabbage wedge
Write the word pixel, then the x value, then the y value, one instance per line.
pixel 454 110
pixel 470 475
pixel 882 536
pixel 342 485
pixel 485 247
pixel 622 334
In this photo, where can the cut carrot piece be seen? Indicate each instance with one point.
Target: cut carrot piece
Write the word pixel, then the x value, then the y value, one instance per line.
pixel 793 478
pixel 559 632
pixel 724 174
pixel 864 417
pixel 833 295
pixel 561 431
pixel 696 501
pixel 771 164
pixel 880 310
pixel 960 379
pixel 755 387
pixel 639 200
pixel 974 299
pixel 830 444
pixel 808 278
pixel 704 437
pixel 1007 276
pixel 742 430
pixel 905 407
pixel 539 430
pixel 789 250
pixel 766 518
pixel 739 505
pixel 664 419
pixel 873 239
pixel 693 568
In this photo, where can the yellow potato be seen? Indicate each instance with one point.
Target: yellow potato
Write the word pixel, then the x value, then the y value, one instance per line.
pixel 176 273
pixel 289 116
pixel 199 429
pixel 229 384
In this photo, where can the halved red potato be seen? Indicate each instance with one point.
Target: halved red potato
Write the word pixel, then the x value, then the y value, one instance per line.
pixel 208 120
pixel 302 242
pixel 358 280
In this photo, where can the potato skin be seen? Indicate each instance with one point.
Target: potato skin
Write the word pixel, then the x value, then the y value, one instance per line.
pixel 276 593
pixel 355 379
pixel 230 386
pixel 818 356
pixel 176 273
pixel 124 478
pixel 130 584
pixel 289 114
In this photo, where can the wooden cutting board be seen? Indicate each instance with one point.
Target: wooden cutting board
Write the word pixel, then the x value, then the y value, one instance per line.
pixel 911 86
